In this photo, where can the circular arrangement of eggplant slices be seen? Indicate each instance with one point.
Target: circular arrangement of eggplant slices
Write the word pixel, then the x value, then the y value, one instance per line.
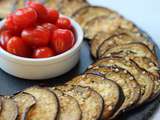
pixel 125 73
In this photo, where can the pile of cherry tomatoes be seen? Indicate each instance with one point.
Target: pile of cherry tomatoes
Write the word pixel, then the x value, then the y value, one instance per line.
pixel 36 32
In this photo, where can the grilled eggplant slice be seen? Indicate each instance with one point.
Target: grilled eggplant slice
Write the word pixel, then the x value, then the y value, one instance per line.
pixel 147 64
pixel 120 38
pixel 141 37
pixel 68 7
pixel 91 103
pixel 144 79
pixel 9 109
pixel 125 80
pixel 69 107
pixel 87 13
pixel 137 52
pixel 46 107
pixel 24 102
pixel 131 50
pixel 98 39
pixel 108 24
pixel 106 88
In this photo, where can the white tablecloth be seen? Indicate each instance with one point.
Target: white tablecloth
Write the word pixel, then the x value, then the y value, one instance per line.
pixel 145 13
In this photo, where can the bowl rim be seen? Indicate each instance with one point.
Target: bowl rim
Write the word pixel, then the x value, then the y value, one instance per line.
pixel 79 39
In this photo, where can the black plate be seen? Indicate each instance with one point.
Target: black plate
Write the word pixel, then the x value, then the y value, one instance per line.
pixel 10 85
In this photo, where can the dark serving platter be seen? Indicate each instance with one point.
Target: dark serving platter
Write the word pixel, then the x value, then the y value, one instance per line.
pixel 10 85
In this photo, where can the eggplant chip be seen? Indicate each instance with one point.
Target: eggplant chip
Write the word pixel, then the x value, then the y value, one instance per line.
pixel 122 37
pixel 131 50
pixel 9 109
pixel 87 13
pixel 106 88
pixel 46 107
pixel 97 40
pixel 125 80
pixel 90 102
pixel 25 102
pixel 144 79
pixel 69 107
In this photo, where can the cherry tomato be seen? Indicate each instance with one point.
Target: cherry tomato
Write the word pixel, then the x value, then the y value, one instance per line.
pixel 4 38
pixel 11 26
pixel 36 37
pixel 43 52
pixel 50 27
pixel 62 40
pixel 53 16
pixel 64 23
pixel 17 46
pixel 24 17
pixel 40 9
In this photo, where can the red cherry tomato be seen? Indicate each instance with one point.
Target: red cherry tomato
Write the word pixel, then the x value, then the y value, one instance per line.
pixel 40 9
pixel 43 52
pixel 17 46
pixel 62 40
pixel 36 37
pixel 24 17
pixel 4 38
pixel 11 26
pixel 50 27
pixel 53 16
pixel 64 23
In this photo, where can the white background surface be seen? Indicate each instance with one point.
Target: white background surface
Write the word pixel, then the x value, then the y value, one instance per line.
pixel 145 13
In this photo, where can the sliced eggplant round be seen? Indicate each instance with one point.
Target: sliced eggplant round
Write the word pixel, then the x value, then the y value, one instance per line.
pixel 132 50
pixel 25 102
pixel 87 13
pixel 90 102
pixel 106 88
pixel 46 107
pixel 97 40
pixel 137 52
pixel 106 24
pixel 69 107
pixel 9 109
pixel 140 37
pixel 121 38
pixel 125 80
pixel 144 79
pixel 147 64
pixel 68 7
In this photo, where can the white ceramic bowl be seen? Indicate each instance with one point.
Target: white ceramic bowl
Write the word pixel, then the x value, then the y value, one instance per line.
pixel 39 69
